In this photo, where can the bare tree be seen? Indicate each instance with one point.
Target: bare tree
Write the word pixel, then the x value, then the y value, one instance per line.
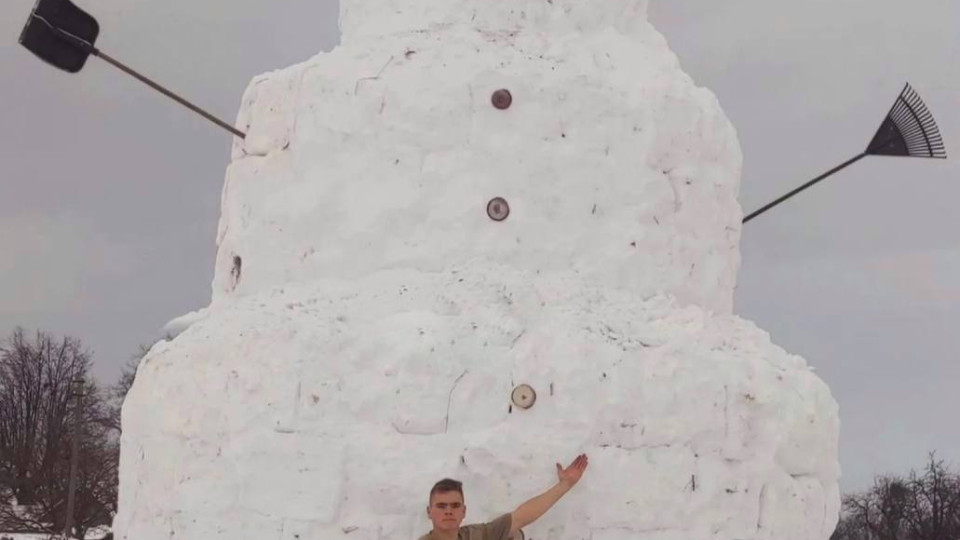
pixel 35 379
pixel 934 502
pixel 924 506
pixel 36 386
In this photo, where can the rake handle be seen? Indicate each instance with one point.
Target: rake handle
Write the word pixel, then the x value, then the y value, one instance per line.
pixel 805 186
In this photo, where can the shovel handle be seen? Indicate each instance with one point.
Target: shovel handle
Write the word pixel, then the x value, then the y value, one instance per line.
pixel 168 93
pixel 89 48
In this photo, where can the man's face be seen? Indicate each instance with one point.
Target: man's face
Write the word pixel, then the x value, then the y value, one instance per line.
pixel 446 511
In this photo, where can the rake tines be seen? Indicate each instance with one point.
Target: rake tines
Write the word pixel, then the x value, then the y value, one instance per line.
pixel 909 130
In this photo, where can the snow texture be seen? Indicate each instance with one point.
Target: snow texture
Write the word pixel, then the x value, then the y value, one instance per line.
pixel 370 320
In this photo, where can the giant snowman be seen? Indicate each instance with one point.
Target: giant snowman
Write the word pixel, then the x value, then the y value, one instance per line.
pixel 477 238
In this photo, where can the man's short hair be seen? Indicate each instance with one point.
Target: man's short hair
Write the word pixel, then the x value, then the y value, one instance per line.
pixel 446 486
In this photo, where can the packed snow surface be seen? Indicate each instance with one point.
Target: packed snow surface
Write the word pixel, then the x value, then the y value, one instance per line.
pixel 374 311
pixel 385 153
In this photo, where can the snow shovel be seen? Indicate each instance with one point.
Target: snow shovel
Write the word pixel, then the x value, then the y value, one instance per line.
pixel 63 35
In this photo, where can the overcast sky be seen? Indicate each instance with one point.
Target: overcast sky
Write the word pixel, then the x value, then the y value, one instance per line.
pixel 109 194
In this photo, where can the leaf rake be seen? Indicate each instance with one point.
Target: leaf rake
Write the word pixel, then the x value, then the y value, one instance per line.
pixel 909 130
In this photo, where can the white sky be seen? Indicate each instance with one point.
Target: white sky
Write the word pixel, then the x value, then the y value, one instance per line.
pixel 109 196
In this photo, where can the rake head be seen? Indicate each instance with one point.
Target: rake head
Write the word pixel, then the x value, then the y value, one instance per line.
pixel 909 130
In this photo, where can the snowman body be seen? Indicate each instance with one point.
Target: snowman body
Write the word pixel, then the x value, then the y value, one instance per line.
pixel 475 239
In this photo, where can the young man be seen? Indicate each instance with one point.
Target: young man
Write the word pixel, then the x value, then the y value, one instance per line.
pixel 447 510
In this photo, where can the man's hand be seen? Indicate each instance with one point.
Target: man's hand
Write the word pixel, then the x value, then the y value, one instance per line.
pixel 531 510
pixel 571 475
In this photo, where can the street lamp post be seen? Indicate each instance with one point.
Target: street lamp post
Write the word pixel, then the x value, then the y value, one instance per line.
pixel 74 455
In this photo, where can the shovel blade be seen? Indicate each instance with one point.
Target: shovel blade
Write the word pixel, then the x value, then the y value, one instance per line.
pixel 61 34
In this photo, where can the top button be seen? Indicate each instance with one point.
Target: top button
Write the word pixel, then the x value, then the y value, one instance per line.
pixel 502 99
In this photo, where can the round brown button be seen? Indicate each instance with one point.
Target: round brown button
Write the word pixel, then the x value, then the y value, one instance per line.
pixel 498 209
pixel 502 99
pixel 524 396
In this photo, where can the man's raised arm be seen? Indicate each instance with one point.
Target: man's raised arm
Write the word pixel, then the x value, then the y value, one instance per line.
pixel 531 510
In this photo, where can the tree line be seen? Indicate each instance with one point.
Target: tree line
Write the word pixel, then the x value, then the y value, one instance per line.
pixel 922 505
pixel 49 402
